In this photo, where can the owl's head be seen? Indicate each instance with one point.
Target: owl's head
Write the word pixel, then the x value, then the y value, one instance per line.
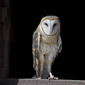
pixel 50 25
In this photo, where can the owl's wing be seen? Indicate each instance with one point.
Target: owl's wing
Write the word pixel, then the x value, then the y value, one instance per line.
pixel 59 44
pixel 35 47
pixel 35 40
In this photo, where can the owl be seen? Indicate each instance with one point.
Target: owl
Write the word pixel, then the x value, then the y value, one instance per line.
pixel 46 45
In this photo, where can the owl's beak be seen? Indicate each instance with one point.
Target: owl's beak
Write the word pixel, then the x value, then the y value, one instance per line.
pixel 51 30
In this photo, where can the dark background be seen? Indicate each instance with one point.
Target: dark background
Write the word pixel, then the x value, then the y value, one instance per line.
pixel 25 17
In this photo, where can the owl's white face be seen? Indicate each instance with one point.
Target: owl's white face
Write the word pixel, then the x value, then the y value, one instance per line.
pixel 50 27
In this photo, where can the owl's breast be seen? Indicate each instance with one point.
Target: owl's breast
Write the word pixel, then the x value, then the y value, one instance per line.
pixel 48 44
pixel 48 48
pixel 49 39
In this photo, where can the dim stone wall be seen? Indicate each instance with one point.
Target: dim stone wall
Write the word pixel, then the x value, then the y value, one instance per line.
pixel 4 36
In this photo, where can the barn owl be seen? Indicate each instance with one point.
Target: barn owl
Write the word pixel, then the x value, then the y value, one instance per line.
pixel 47 44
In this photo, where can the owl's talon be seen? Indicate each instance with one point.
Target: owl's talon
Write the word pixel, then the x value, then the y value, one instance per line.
pixel 52 77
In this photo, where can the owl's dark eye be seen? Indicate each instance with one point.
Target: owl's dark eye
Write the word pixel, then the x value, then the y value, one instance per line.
pixel 54 25
pixel 46 24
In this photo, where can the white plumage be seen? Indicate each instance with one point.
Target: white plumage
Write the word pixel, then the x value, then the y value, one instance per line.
pixel 46 45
